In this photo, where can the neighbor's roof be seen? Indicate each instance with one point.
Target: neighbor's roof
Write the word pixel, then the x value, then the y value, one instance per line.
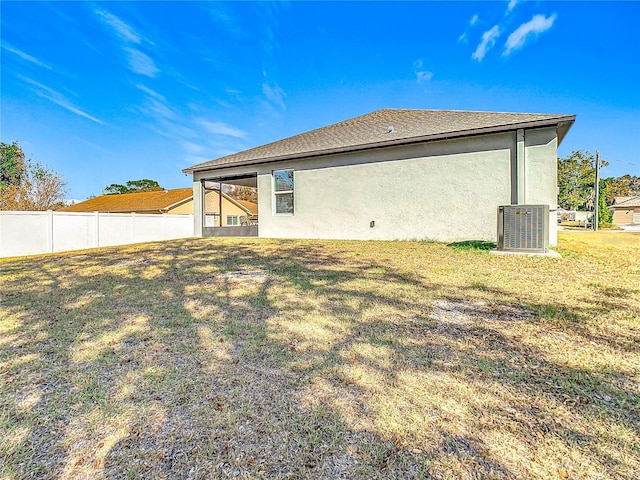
pixel 388 127
pixel 250 206
pixel 155 201
pixel 627 201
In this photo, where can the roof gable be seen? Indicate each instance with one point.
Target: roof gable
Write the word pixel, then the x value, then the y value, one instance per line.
pixel 388 127
pixel 249 206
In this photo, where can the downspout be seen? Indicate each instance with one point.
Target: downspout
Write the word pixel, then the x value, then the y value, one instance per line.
pixel 518 180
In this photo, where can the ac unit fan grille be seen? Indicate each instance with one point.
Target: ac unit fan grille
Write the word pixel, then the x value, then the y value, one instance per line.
pixel 523 227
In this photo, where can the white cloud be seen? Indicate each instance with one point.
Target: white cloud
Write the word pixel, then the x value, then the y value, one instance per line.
pixel 161 109
pixel 465 35
pixel 537 25
pixel 138 62
pixel 59 99
pixel 222 16
pixel 421 75
pixel 275 95
pixel 141 63
pixel 191 147
pixel 25 56
pixel 219 128
pixel 512 5
pixel 119 27
pixel 93 145
pixel 488 41
pixel 150 92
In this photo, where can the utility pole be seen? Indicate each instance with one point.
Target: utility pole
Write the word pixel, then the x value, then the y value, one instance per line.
pixel 596 202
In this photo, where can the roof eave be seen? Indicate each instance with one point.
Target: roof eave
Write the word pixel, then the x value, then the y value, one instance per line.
pixel 178 203
pixel 563 122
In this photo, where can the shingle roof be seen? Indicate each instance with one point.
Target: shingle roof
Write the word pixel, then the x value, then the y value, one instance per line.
pixel 252 207
pixel 627 201
pixel 155 201
pixel 388 127
pixel 158 201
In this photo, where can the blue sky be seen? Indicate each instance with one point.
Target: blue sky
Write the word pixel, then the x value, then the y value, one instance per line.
pixel 105 92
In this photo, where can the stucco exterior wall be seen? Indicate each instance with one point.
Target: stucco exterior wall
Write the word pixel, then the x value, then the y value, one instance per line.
pixel 440 192
pixel 185 208
pixel 446 190
pixel 540 174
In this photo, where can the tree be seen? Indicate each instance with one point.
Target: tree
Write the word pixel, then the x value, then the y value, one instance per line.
pixel 623 186
pixel 240 192
pixel 12 164
pixel 132 186
pixel 115 189
pixel 604 214
pixel 28 185
pixel 576 180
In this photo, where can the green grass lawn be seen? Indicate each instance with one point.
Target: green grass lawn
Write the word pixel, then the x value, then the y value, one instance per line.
pixel 252 358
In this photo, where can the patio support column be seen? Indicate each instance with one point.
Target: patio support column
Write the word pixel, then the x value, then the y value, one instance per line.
pixel 198 208
pixel 220 201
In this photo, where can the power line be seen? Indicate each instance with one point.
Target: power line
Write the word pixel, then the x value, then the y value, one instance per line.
pixel 620 161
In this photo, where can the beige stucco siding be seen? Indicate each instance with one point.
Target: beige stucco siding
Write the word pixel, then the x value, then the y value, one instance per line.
pixel 185 208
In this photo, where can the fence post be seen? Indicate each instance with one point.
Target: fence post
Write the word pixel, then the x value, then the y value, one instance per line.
pixel 50 231
pixel 97 214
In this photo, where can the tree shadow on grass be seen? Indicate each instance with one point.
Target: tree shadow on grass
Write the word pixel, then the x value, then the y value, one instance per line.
pixel 192 361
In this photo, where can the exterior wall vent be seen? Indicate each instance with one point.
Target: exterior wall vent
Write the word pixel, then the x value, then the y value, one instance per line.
pixel 523 228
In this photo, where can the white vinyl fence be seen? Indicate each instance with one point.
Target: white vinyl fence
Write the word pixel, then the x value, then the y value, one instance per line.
pixel 28 233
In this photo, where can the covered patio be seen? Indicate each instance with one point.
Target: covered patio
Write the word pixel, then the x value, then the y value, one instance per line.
pixel 214 216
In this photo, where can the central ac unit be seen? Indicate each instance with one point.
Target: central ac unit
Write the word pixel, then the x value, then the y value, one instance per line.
pixel 523 228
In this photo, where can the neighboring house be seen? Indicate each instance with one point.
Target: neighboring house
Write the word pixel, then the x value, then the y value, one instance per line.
pixel 626 210
pixel 397 174
pixel 178 201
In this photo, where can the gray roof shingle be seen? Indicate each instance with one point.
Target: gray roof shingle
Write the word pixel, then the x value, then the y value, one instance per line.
pixel 373 130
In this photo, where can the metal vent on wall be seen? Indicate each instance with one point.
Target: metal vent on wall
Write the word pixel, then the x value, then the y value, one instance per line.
pixel 523 228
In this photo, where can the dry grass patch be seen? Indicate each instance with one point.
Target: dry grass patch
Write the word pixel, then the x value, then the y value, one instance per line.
pixel 251 358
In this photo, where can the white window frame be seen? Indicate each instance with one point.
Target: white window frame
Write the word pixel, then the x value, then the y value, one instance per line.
pixel 234 218
pixel 276 193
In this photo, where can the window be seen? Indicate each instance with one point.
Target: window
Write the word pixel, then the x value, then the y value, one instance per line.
pixel 232 220
pixel 283 191
pixel 211 220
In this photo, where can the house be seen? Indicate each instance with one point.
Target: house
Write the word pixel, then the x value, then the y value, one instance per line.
pixel 177 201
pixel 396 174
pixel 626 210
